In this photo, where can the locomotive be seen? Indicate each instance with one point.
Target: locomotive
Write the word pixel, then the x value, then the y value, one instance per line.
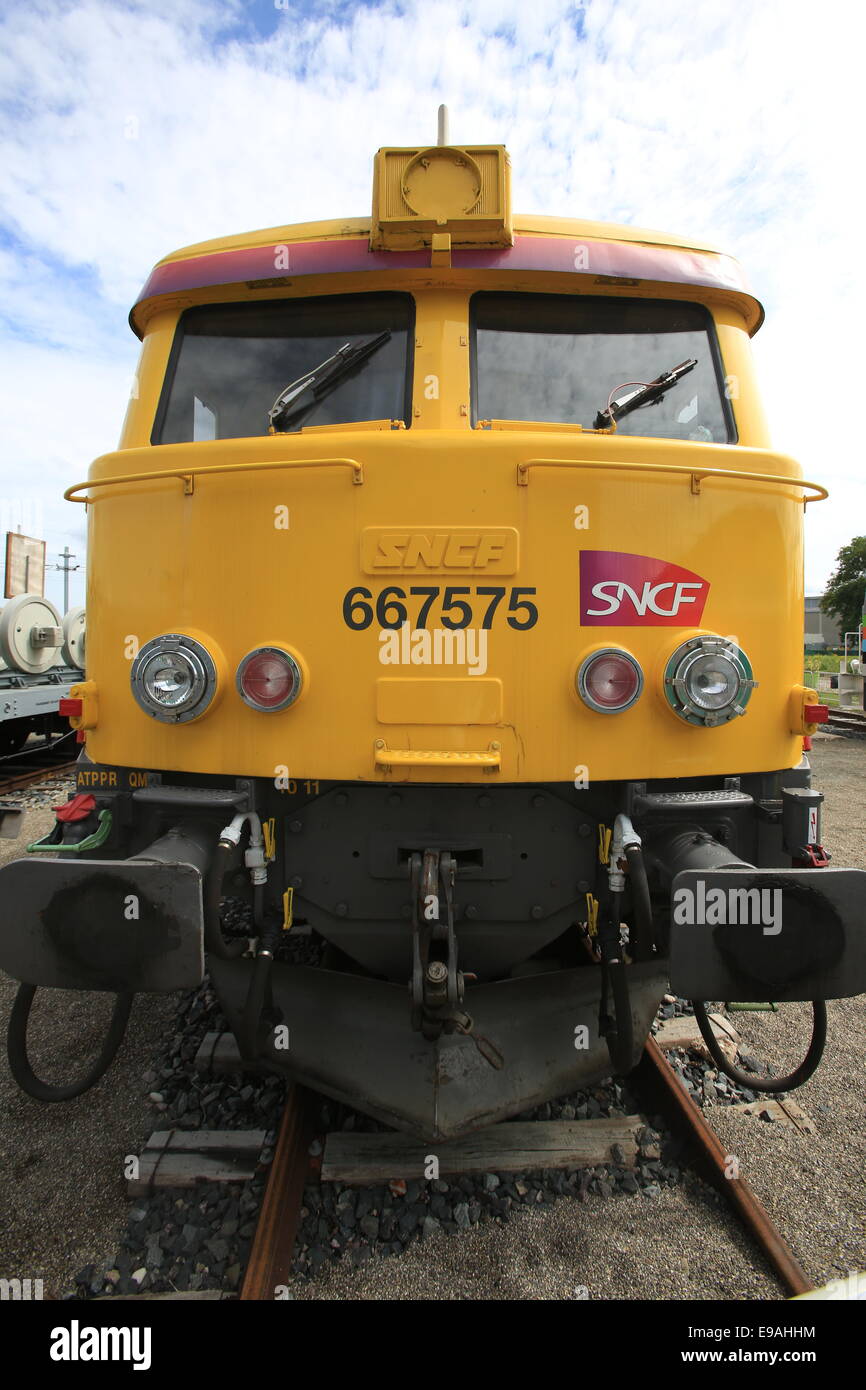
pixel 445 604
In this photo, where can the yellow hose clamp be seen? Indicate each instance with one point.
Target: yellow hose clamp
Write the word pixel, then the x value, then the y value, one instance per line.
pixel 604 838
pixel 270 837
pixel 288 908
pixel 592 915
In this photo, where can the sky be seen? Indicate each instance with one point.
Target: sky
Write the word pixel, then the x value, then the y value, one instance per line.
pixel 130 129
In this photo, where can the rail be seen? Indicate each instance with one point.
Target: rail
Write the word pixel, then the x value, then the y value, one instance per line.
pixel 696 475
pixel 684 1116
pixel 198 470
pixel 270 1261
pixel 14 780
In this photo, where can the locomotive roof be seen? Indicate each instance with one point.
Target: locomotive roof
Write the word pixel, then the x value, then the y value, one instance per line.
pixel 591 252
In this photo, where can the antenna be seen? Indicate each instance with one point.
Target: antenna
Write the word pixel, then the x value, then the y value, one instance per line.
pixel 442 137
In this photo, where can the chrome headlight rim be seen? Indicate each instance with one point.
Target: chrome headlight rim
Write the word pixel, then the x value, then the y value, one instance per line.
pixel 269 649
pixel 203 677
pixel 586 664
pixel 680 694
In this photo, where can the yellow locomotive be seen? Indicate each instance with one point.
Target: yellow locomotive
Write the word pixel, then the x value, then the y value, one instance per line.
pixel 445 602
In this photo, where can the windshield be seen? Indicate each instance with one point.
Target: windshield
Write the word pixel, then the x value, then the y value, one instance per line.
pixel 231 361
pixel 559 357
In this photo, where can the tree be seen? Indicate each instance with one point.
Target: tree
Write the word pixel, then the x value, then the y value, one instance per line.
pixel 844 595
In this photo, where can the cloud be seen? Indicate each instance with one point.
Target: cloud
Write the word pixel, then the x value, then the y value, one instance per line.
pixel 135 128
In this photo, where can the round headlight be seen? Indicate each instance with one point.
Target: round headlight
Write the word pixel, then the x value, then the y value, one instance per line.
pixel 173 678
pixel 269 679
pixel 609 680
pixel 708 681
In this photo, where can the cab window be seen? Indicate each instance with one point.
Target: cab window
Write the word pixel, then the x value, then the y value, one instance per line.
pixel 558 358
pixel 230 363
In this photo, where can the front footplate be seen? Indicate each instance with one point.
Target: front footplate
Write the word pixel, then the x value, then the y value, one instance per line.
pixel 349 1037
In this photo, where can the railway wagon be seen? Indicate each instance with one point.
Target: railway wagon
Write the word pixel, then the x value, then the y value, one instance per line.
pixel 446 603
pixel 41 658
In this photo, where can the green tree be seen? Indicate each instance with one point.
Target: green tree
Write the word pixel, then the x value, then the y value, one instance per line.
pixel 844 593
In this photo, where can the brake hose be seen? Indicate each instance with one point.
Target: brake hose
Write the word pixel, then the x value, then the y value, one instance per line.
pixel 620 1036
pixel 643 912
pixel 215 942
pixel 770 1083
pixel 19 1062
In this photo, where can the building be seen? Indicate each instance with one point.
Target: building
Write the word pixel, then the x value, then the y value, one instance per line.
pixel 820 631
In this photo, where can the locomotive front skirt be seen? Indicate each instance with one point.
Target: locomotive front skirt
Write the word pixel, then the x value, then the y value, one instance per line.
pixel 445 604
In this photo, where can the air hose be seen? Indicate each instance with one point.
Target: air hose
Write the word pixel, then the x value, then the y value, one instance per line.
pixel 254 858
pixel 19 1062
pixel 214 941
pixel 771 1083
pixel 625 849
pixel 643 912
pixel 618 1032
pixel 620 1040
pixel 258 992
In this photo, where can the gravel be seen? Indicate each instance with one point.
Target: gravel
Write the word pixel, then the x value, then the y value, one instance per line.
pixel 673 1243
pixel 53 790
pixel 198 1239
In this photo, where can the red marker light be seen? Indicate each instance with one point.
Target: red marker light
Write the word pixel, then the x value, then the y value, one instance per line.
pixel 269 679
pixel 70 708
pixel 609 680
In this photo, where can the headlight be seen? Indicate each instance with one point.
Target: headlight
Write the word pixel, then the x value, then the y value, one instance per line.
pixel 708 681
pixel 269 679
pixel 173 678
pixel 609 680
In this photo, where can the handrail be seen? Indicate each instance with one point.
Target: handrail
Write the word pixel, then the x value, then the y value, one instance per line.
pixel 197 470
pixel 695 474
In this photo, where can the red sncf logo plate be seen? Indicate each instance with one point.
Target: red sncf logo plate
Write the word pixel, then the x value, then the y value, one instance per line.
pixel 622 590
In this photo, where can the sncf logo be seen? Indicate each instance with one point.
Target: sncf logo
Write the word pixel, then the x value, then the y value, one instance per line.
pixel 622 590
pixel 438 551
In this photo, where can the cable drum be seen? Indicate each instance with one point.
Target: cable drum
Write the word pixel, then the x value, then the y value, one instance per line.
pixel 30 634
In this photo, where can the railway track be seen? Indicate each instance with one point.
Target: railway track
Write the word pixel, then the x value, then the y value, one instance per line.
pixel 848 721
pixel 40 774
pixel 658 1079
pixel 36 763
pixel 270 1259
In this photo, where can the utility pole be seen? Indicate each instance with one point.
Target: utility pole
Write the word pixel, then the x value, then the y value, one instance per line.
pixel 66 556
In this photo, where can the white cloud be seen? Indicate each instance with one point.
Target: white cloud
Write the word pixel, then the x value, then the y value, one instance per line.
pixel 133 129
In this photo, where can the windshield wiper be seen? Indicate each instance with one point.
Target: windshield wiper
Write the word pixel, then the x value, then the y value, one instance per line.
pixel 653 391
pixel 313 386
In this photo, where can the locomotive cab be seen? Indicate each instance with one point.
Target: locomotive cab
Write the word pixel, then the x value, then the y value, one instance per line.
pixel 446 609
